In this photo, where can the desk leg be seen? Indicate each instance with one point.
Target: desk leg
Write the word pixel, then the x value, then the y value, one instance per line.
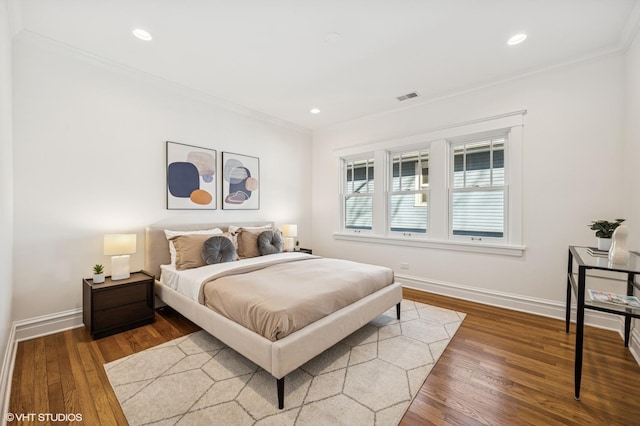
pixel 579 330
pixel 569 290
pixel 627 318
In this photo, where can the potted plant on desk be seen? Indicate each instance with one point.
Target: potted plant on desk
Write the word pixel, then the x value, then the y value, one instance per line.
pixel 604 230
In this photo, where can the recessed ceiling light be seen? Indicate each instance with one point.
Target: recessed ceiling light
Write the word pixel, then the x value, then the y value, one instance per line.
pixel 315 111
pixel 142 34
pixel 331 38
pixel 517 39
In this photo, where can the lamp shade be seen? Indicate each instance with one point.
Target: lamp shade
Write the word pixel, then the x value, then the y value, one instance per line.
pixel 290 230
pixel 116 244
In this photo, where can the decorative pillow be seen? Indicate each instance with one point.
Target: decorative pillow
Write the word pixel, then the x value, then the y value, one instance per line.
pixel 189 250
pixel 247 243
pixel 218 249
pixel 170 234
pixel 270 242
pixel 234 230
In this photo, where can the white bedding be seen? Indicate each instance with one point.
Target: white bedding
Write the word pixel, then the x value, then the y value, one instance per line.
pixel 189 282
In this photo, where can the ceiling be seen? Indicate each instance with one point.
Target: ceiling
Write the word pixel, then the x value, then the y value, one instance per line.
pixel 274 57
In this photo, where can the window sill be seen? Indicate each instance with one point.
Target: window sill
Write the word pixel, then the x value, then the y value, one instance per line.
pixel 477 247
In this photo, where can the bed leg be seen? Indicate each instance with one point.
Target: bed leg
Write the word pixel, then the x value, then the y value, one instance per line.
pixel 280 393
pixel 398 310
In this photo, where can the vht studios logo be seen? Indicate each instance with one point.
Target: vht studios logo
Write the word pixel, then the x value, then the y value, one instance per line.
pixel 44 417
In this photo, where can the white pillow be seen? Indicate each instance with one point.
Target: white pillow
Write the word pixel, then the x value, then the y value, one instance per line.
pixel 170 234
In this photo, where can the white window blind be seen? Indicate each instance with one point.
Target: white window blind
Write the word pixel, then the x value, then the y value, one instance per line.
pixel 478 191
pixel 358 194
pixel 409 192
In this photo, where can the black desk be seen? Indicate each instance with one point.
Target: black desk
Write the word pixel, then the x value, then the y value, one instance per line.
pixel 585 261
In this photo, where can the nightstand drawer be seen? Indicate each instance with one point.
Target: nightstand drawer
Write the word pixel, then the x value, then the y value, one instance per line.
pixel 122 315
pixel 119 296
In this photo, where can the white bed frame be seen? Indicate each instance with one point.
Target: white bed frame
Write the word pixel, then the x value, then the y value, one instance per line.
pixel 282 356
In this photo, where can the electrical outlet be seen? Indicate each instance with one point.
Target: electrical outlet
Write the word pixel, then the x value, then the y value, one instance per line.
pixel 404 265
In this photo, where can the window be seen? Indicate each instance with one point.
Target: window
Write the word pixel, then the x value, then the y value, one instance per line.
pixel 457 187
pixel 409 192
pixel 358 194
pixel 477 203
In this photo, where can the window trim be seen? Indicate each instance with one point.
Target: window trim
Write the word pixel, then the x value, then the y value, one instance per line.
pixel 436 140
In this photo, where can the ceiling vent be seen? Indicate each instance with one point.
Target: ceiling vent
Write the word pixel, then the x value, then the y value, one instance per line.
pixel 408 96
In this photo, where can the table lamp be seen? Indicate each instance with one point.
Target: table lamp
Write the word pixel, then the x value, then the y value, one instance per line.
pixel 289 232
pixel 119 247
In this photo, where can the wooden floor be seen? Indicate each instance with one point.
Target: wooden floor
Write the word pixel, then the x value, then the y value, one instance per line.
pixel 501 368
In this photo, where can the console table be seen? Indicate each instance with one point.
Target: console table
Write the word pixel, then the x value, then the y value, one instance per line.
pixel 585 262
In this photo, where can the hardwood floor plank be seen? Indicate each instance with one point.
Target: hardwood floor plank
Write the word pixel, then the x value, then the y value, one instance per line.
pixel 501 368
pixel 27 377
pixel 67 381
pixel 92 366
pixel 55 393
pixel 83 393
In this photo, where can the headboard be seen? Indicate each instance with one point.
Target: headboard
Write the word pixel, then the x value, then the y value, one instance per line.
pixel 156 246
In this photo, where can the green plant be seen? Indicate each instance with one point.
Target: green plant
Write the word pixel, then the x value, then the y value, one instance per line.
pixel 98 269
pixel 603 228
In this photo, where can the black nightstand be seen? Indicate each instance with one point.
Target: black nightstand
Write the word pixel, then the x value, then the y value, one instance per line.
pixel 115 306
pixel 306 250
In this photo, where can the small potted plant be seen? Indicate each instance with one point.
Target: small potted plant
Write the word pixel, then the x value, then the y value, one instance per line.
pixel 98 274
pixel 297 247
pixel 604 230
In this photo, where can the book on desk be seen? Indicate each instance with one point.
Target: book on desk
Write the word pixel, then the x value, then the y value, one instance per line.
pixel 597 252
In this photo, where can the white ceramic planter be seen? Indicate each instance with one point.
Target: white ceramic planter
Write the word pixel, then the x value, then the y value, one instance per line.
pixel 604 243
pixel 98 278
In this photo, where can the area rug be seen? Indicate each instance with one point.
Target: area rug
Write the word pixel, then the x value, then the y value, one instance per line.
pixel 369 378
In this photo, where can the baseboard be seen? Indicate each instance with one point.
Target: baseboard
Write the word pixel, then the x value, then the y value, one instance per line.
pixel 30 329
pixel 7 371
pixel 48 324
pixel 543 307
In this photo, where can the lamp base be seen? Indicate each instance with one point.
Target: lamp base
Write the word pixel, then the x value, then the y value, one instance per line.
pixel 288 244
pixel 120 269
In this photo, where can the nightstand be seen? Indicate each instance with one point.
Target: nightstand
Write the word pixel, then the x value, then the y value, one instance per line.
pixel 306 250
pixel 115 306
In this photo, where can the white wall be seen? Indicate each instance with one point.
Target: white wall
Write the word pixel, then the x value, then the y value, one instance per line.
pixel 572 160
pixel 6 190
pixel 632 140
pixel 90 159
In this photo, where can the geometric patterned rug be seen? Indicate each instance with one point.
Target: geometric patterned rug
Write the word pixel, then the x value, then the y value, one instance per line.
pixel 368 378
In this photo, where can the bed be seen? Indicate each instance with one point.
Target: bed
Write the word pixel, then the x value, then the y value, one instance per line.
pixel 278 353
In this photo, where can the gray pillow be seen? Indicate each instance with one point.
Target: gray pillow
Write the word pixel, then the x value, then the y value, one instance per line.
pixel 218 249
pixel 270 242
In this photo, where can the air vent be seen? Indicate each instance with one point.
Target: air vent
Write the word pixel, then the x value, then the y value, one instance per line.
pixel 408 96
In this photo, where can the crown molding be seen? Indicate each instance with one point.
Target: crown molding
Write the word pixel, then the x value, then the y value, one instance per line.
pixel 479 86
pixel 182 89
pixel 14 10
pixel 630 30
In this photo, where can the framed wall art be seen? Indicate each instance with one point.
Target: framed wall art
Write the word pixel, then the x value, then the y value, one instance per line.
pixel 241 183
pixel 191 177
